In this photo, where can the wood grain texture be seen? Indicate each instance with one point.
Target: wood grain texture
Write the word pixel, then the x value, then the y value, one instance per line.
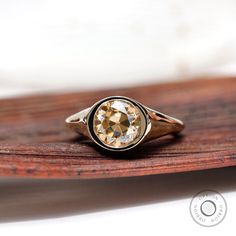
pixel 34 141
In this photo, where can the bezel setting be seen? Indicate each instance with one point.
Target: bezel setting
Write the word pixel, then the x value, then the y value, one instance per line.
pixel 144 125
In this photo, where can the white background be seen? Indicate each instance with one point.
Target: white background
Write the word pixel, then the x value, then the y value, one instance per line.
pixel 58 44
pixel 151 205
pixel 75 45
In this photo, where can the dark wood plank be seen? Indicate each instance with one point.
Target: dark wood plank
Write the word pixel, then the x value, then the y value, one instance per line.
pixel 34 141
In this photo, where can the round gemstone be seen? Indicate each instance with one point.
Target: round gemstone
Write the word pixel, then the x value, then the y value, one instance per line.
pixel 117 123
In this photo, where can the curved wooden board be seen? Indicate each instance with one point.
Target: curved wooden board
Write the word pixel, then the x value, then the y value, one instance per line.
pixel 34 141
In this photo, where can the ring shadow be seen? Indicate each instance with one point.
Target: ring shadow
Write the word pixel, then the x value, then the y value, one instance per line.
pixel 28 199
pixel 139 152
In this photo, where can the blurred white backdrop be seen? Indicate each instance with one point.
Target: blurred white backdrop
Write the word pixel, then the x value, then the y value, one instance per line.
pixel 58 44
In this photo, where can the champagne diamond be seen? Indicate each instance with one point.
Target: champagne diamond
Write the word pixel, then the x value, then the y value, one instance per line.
pixel 117 123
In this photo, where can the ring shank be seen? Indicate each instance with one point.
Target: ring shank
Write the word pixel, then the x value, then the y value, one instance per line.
pixel 162 124
pixel 78 122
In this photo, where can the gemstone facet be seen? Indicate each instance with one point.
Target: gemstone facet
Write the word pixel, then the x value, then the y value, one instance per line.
pixel 117 123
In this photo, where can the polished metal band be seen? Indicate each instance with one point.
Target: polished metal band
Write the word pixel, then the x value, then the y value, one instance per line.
pixel 161 124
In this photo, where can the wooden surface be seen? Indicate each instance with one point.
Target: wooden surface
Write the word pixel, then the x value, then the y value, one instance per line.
pixel 34 141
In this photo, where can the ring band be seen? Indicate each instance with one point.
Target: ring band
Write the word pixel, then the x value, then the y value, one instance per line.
pixel 119 123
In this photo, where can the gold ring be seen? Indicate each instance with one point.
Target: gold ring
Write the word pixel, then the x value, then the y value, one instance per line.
pixel 119 123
